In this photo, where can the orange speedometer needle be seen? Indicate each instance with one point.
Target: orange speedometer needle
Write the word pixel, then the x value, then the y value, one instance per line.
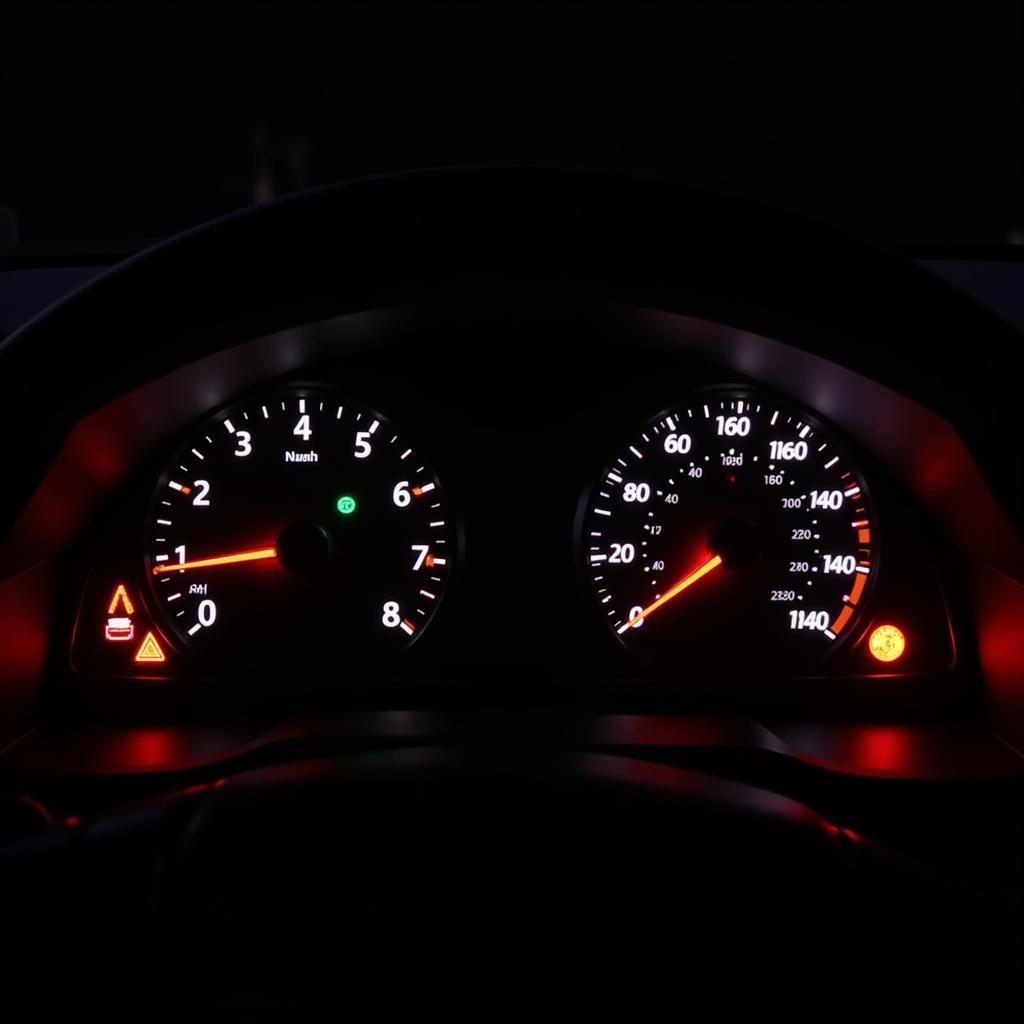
pixel 206 563
pixel 687 581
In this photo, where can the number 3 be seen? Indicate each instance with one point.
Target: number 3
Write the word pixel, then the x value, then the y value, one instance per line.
pixel 244 439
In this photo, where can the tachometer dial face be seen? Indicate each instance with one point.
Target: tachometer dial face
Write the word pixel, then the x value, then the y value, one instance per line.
pixel 298 526
pixel 729 533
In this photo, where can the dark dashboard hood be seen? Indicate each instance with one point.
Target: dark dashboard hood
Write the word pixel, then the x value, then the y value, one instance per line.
pixel 446 233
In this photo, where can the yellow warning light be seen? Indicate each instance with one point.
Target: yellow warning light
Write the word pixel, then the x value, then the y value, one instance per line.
pixel 121 598
pixel 887 643
pixel 150 651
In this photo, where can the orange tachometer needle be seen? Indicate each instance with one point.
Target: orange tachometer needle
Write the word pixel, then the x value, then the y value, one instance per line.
pixel 687 581
pixel 206 563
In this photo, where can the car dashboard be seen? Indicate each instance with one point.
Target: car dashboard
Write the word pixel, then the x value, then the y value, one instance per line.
pixel 505 428
pixel 524 462
pixel 527 480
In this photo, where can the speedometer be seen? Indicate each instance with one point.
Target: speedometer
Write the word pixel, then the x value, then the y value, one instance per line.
pixel 728 533
pixel 298 526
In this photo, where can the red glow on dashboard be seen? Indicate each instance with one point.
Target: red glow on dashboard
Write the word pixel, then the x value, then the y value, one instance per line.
pixel 883 748
pixel 148 748
pixel 92 463
pixel 24 614
pixel 1000 615
pixel 1001 628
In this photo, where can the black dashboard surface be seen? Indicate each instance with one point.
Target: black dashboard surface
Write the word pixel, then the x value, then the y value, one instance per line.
pixel 522 326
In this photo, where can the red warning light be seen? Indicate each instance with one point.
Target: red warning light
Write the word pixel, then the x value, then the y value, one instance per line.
pixel 120 628
pixel 150 652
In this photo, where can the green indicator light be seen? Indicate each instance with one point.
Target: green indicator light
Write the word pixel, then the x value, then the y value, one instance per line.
pixel 346 505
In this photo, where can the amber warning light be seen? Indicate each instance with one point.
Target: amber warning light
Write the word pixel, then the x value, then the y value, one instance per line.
pixel 119 627
pixel 887 643
pixel 150 651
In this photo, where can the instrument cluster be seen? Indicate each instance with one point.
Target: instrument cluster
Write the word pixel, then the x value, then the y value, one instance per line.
pixel 694 532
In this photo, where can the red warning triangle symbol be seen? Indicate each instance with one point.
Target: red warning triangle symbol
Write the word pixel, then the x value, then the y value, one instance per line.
pixel 150 651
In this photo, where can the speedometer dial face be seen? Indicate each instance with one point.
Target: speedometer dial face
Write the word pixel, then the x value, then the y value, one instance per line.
pixel 298 526
pixel 729 533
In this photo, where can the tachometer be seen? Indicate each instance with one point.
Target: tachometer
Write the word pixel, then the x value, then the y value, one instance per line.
pixel 730 532
pixel 295 526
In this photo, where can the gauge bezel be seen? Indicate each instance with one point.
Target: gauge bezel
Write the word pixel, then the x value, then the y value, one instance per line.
pixel 852 635
pixel 162 468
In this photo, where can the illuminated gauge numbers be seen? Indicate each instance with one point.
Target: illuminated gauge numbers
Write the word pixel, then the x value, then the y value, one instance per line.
pixel 730 533
pixel 298 527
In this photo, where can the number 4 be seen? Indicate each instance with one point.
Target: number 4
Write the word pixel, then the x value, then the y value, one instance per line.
pixel 302 428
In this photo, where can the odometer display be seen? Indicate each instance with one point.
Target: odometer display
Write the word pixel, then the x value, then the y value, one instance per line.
pixel 730 533
pixel 298 526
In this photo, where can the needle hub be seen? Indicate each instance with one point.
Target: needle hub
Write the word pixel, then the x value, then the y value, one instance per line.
pixel 738 541
pixel 304 548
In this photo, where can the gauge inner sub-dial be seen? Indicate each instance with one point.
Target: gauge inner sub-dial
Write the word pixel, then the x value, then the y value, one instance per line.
pixel 730 533
pixel 296 526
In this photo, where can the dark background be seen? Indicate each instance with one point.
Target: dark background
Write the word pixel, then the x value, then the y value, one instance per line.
pixel 127 122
